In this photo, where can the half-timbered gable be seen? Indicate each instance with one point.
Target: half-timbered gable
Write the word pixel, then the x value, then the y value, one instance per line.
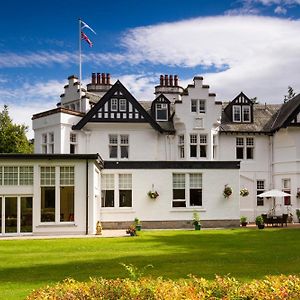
pixel 118 106
pixel 240 109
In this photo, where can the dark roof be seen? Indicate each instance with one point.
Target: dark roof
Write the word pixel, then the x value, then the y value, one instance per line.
pixel 57 110
pixel 287 112
pixel 263 118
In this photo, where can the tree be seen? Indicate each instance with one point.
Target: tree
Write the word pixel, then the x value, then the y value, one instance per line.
pixel 13 136
pixel 291 94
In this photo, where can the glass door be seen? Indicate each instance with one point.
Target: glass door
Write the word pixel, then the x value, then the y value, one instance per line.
pixel 0 215
pixel 26 214
pixel 11 213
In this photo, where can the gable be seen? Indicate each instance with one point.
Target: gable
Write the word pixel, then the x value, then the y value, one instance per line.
pixel 117 106
pixel 163 104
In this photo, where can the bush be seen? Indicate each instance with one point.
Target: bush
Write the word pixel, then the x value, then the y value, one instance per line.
pixel 146 288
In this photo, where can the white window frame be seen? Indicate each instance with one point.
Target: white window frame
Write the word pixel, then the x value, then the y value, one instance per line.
pixel 202 106
pixel 245 143
pixel 236 110
pixel 161 107
pixel 120 140
pixel 260 188
pixel 73 142
pixel 244 107
pixel 122 105
pixel 181 150
pixel 47 142
pixel 114 104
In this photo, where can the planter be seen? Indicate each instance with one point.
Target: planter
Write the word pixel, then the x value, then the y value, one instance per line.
pixel 138 227
pixel 197 226
pixel 261 226
pixel 132 234
pixel 244 224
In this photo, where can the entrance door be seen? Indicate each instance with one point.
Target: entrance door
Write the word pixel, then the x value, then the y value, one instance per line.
pixel 16 212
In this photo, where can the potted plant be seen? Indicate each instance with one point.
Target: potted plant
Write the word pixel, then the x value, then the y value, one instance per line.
pixel 227 191
pixel 259 221
pixel 243 220
pixel 298 214
pixel 137 224
pixel 196 221
pixel 244 192
pixel 131 230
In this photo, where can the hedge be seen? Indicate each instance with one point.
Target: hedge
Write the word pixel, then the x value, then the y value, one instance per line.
pixel 147 288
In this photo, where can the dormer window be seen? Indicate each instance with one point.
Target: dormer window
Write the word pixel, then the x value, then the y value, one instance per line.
pixel 161 111
pixel 246 113
pixel 236 113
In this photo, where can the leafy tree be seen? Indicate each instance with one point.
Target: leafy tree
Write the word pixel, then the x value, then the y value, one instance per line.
pixel 291 94
pixel 13 136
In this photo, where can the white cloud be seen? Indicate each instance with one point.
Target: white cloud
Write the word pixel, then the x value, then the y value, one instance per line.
pixel 261 52
pixel 280 10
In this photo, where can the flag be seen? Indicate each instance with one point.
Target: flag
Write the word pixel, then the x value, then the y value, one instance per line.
pixel 84 25
pixel 84 37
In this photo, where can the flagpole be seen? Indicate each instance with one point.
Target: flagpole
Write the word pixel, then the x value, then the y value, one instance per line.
pixel 80 62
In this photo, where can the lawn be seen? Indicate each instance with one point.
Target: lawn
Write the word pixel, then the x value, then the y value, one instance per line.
pixel 243 253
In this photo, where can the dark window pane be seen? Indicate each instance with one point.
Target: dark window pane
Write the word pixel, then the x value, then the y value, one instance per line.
pixel 10 214
pixel 108 198
pixel 178 204
pixel 249 153
pixel 287 199
pixel 161 114
pixel 202 150
pixel 72 148
pixel 66 203
pixel 239 153
pixel 113 151
pixel 125 198
pixel 195 197
pixel 260 201
pixel 124 151
pixel 193 149
pixel 178 193
pixel 47 204
pixel 26 214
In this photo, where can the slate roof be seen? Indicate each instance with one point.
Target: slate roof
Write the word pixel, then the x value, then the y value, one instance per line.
pixel 264 116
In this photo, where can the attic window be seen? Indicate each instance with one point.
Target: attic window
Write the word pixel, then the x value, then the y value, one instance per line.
pixel 161 112
pixel 246 113
pixel 236 114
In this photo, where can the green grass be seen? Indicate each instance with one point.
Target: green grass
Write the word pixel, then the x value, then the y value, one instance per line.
pixel 242 253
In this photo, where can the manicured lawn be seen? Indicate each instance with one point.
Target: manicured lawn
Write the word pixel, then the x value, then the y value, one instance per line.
pixel 242 253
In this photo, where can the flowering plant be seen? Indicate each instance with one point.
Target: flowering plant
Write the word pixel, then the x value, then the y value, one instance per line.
pixel 244 192
pixel 227 191
pixel 131 230
pixel 153 194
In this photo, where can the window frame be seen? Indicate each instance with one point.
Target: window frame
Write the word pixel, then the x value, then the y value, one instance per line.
pixel 236 113
pixel 259 190
pixel 244 107
pixel 161 107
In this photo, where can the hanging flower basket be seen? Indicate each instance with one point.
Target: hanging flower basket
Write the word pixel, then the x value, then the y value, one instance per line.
pixel 244 192
pixel 227 191
pixel 153 194
pixel 298 195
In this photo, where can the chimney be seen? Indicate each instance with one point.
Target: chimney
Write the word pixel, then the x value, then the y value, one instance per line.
pixel 161 79
pixel 103 78
pixel 98 78
pixel 166 80
pixel 175 80
pixel 171 80
pixel 93 78
pixel 107 78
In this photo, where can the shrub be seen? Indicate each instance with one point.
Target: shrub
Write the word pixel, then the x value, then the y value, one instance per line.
pixel 147 288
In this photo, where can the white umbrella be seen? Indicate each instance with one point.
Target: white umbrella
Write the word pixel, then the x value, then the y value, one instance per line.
pixel 273 193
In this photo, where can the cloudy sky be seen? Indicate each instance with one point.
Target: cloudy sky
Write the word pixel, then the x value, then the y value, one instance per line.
pixel 240 45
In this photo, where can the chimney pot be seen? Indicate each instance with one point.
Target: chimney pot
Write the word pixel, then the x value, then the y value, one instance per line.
pixel 161 80
pixel 176 80
pixel 93 78
pixel 107 78
pixel 166 80
pixel 171 80
pixel 103 78
pixel 98 78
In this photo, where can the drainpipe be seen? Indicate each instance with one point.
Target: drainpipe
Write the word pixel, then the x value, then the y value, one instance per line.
pixel 271 161
pixel 87 199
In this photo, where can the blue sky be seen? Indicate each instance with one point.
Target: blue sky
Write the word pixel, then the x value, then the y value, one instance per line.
pixel 242 45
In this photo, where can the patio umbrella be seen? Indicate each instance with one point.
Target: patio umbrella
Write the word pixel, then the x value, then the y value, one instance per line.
pixel 273 194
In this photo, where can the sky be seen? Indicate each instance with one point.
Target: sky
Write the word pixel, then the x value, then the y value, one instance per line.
pixel 239 45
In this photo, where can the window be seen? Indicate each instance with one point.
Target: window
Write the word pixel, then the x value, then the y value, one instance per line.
pixel 286 187
pixel 202 146
pixel 236 113
pixel 246 113
pixel 73 143
pixel 47 194
pixel 118 146
pixel 122 104
pixel 179 190
pixel 66 194
pixel 57 195
pixel 161 112
pixel 245 148
pixel 187 186
pixel 114 104
pixel 198 105
pixel 195 189
pixel 26 175
pixel 107 187
pixel 215 146
pixel 10 176
pixel 181 146
pixel 260 188
pixel 48 143
pixel 125 190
